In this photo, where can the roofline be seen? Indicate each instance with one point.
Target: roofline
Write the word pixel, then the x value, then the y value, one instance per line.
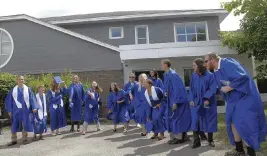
pixel 60 29
pixel 218 12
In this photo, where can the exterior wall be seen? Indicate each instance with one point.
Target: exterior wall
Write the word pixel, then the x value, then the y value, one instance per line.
pixel 160 31
pixel 41 49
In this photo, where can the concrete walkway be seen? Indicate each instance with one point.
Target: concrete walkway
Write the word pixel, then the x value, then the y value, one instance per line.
pixel 103 143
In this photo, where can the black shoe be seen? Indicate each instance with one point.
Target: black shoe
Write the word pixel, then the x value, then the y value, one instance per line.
pixel 196 144
pixel 154 136
pixel 176 141
pixel 170 141
pixel 25 142
pixel 114 130
pixel 72 130
pixel 212 144
pixel 12 143
pixel 143 134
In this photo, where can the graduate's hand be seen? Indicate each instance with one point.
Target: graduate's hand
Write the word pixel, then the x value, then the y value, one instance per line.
pixel 119 102
pixel 174 106
pixel 131 97
pixel 10 114
pixel 226 89
pixel 206 103
pixel 192 104
pixel 158 106
pixel 34 111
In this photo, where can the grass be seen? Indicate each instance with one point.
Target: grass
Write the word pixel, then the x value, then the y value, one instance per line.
pixel 222 136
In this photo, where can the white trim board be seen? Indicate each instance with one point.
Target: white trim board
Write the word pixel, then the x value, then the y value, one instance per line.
pixel 71 33
pixel 12 47
pixel 221 12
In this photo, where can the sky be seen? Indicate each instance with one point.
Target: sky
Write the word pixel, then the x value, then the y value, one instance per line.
pixel 48 8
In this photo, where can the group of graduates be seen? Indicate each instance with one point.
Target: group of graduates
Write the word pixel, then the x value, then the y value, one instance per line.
pixel 154 105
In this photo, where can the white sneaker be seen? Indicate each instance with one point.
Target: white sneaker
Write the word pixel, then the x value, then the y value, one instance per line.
pixel 138 125
pixel 99 129
pixel 125 130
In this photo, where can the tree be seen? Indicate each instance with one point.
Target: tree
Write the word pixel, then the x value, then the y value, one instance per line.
pixel 251 39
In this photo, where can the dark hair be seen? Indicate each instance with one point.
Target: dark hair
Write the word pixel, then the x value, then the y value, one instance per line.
pixel 200 65
pixel 54 86
pixel 155 73
pixel 149 82
pixel 167 61
pixel 116 87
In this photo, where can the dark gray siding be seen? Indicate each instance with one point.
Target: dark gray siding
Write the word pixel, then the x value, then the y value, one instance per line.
pixel 41 49
pixel 160 31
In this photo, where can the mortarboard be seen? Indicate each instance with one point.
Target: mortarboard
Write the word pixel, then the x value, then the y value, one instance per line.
pixel 57 80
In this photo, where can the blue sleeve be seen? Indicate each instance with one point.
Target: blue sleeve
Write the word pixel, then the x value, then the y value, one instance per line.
pixel 53 100
pixel 33 101
pixel 9 102
pixel 180 95
pixel 64 91
pixel 211 89
pixel 237 75
pixel 191 94
pixel 71 92
pixel 110 101
pixel 160 84
pixel 159 93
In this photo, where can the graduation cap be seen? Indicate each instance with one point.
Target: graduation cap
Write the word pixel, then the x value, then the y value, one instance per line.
pixel 149 126
pixel 58 80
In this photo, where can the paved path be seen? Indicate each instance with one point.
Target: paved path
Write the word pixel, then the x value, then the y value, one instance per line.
pixel 103 143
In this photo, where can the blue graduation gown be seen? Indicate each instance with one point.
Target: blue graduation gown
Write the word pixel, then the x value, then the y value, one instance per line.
pixel 91 114
pixel 203 88
pixel 57 115
pixel 179 120
pixel 244 106
pixel 142 108
pixel 39 125
pixel 157 82
pixel 76 94
pixel 158 113
pixel 120 111
pixel 21 115
pixel 130 104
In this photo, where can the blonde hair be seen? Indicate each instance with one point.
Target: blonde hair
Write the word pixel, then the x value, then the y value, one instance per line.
pixel 213 56
pixel 144 76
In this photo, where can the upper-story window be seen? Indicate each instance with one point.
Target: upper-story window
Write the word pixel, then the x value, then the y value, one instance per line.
pixel 191 32
pixel 116 33
pixel 6 47
pixel 141 34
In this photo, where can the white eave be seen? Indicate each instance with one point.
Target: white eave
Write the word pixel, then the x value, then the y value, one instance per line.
pixel 60 29
pixel 222 14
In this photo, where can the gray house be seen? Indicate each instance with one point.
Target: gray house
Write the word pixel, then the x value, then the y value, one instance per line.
pixel 109 46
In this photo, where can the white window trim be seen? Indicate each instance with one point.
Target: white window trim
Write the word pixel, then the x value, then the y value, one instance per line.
pixel 110 33
pixel 12 47
pixel 206 27
pixel 147 33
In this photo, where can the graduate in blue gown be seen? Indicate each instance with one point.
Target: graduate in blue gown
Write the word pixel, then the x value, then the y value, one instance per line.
pixel 55 100
pixel 142 108
pixel 117 104
pixel 76 96
pixel 202 97
pixel 157 82
pixel 20 104
pixel 245 118
pixel 178 115
pixel 127 88
pixel 40 117
pixel 92 100
pixel 154 97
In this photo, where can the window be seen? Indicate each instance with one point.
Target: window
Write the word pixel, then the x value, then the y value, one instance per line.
pixel 187 76
pixel 116 33
pixel 141 34
pixel 6 47
pixel 191 32
pixel 262 83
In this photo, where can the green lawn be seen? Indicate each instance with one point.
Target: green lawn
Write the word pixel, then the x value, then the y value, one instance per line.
pixel 222 134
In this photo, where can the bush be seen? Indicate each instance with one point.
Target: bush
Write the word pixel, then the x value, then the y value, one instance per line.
pixel 8 81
